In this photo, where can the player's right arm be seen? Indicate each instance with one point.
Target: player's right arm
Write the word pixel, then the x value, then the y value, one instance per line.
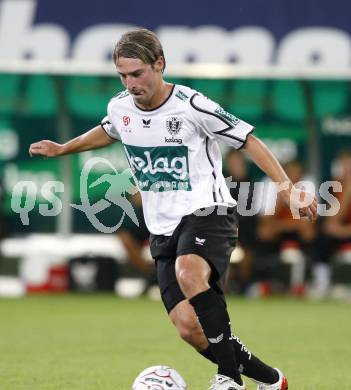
pixel 95 138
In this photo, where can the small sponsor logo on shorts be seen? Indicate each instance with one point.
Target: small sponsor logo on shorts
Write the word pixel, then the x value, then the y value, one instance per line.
pixel 199 241
pixel 216 340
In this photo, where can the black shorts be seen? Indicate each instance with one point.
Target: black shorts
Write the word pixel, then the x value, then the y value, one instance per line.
pixel 212 236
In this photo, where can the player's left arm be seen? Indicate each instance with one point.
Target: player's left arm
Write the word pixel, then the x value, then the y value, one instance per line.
pixel 295 198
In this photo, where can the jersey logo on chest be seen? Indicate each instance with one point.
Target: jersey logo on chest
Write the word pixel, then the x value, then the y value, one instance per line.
pixel 160 168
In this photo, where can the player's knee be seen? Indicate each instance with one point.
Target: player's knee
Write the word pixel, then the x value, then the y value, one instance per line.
pixel 186 279
pixel 192 275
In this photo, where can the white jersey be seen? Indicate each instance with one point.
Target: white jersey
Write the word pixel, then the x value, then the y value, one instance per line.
pixel 173 153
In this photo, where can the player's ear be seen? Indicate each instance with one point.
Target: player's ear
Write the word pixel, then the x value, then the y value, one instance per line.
pixel 159 64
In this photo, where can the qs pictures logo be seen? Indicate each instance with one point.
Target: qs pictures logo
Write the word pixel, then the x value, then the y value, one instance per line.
pixel 115 195
pixel 25 194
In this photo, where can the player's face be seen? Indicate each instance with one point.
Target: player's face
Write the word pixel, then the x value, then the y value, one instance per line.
pixel 143 81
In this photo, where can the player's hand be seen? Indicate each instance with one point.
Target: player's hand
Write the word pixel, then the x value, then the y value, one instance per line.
pixel 45 148
pixel 303 204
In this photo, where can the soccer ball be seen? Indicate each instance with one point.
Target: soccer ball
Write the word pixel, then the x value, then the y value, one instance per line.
pixel 159 378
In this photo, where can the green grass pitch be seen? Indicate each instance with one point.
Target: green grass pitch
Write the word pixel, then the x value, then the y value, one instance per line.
pixel 101 342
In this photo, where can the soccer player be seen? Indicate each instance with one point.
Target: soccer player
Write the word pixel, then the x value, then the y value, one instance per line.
pixel 170 135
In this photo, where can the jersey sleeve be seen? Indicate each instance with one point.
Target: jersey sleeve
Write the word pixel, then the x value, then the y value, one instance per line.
pixel 109 128
pixel 217 123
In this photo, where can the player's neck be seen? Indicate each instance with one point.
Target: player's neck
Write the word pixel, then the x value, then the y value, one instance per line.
pixel 160 96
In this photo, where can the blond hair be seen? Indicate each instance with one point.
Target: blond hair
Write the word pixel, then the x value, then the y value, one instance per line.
pixel 140 43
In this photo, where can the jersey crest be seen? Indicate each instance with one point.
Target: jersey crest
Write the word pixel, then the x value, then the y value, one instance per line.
pixel 174 124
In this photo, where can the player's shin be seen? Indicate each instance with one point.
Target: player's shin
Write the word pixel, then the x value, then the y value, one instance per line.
pixel 215 322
